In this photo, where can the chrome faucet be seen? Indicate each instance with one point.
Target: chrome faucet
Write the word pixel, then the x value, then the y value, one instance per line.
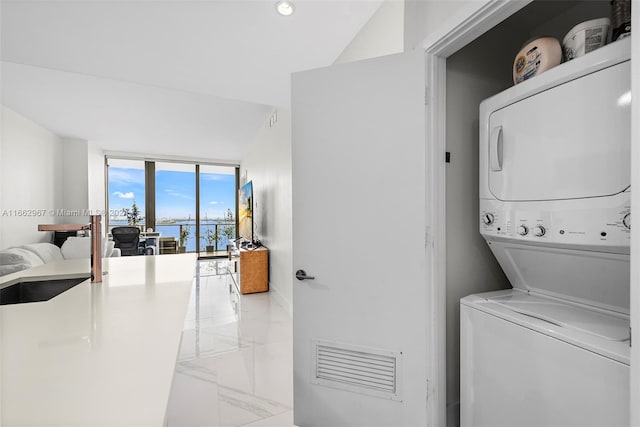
pixel 95 226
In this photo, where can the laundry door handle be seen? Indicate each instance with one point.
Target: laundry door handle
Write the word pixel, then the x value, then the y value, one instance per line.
pixel 495 149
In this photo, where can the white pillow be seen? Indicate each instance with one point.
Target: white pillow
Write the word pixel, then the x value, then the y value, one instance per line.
pixel 8 257
pixel 48 252
pixel 12 261
pixel 76 247
pixel 29 257
pixel 12 268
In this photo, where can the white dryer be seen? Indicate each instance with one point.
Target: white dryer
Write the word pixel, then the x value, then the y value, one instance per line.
pixel 555 211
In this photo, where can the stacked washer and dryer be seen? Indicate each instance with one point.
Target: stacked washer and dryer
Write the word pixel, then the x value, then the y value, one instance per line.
pixel 555 210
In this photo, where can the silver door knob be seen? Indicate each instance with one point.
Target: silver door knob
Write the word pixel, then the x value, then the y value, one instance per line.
pixel 302 275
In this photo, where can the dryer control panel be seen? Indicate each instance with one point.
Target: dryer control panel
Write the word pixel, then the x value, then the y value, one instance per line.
pixel 596 223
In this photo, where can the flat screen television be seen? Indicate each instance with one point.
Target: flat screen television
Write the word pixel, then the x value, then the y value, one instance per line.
pixel 245 212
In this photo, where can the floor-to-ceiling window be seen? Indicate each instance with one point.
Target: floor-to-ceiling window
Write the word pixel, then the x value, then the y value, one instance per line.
pixel 217 207
pixel 126 192
pixel 175 208
pixel 193 204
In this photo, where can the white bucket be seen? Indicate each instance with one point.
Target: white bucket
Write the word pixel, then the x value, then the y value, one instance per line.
pixel 585 37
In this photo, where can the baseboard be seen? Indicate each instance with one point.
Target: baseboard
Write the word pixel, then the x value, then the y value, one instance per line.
pixel 276 295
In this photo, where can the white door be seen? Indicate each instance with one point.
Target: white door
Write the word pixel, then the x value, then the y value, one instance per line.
pixel 359 229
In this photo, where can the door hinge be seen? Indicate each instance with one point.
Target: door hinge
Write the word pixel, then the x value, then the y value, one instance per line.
pixel 427 237
pixel 630 336
pixel 426 95
pixel 428 392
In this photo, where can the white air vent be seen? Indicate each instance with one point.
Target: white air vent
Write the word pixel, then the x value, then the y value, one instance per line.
pixel 359 369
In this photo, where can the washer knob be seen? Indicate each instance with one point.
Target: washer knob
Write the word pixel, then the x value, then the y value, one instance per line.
pixel 488 219
pixel 523 230
pixel 539 231
pixel 627 220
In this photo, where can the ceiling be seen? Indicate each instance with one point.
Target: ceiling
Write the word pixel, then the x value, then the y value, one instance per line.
pixel 168 78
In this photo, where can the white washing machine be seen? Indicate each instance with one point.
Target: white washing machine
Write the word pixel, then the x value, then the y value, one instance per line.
pixel 555 211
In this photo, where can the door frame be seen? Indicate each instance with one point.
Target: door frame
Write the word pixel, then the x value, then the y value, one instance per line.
pixel 635 206
pixel 466 26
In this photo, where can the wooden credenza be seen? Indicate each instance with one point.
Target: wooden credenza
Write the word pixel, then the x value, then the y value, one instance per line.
pixel 253 271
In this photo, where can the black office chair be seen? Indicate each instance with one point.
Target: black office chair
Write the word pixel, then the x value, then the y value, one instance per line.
pixel 126 238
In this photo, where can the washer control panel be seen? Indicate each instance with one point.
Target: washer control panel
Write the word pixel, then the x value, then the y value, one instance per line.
pixel 566 223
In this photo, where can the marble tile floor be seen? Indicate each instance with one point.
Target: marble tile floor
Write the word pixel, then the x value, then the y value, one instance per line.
pixel 235 361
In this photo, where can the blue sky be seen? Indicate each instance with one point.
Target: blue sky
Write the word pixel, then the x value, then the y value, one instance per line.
pixel 125 186
pixel 175 192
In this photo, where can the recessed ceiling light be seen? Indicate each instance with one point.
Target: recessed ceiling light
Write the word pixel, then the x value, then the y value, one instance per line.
pixel 284 7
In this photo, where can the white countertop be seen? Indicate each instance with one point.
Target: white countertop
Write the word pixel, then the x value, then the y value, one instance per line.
pixel 97 354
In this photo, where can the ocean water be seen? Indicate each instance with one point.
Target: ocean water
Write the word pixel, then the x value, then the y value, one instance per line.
pixel 173 230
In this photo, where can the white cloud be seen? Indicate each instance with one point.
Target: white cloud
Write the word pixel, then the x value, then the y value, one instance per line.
pixel 125 176
pixel 122 195
pixel 214 202
pixel 173 193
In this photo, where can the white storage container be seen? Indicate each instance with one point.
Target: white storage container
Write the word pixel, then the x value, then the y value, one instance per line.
pixel 536 57
pixel 586 37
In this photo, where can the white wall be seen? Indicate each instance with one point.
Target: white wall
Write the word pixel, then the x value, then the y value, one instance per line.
pixel 31 178
pixel 74 178
pixel 268 164
pixel 83 180
pixel 426 17
pixel 382 35
pixel 42 171
pixel 96 178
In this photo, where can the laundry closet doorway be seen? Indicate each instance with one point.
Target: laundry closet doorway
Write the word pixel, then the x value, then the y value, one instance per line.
pixel 458 84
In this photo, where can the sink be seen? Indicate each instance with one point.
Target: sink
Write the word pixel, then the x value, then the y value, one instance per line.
pixel 37 290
